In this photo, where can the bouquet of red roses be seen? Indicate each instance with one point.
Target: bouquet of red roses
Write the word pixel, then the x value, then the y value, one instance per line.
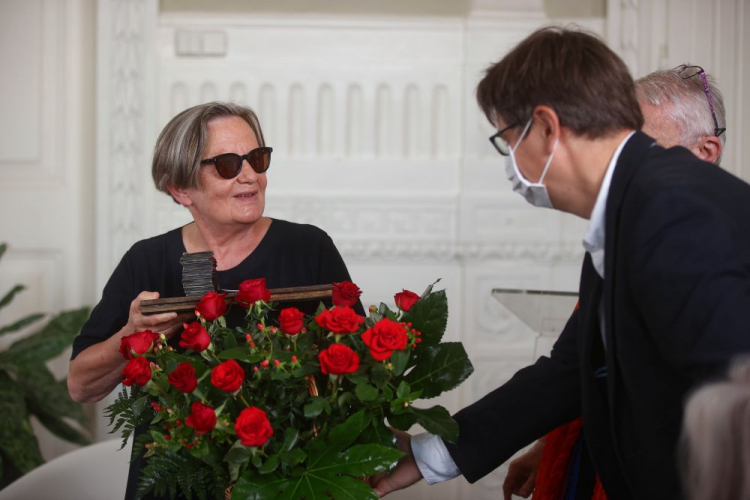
pixel 286 405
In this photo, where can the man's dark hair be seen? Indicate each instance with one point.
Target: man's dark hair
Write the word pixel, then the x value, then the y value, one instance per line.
pixel 572 72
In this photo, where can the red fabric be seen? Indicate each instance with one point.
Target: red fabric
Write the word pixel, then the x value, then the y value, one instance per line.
pixel 552 476
pixel 599 491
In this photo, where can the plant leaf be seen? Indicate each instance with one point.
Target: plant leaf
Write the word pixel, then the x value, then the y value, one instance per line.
pixel 18 444
pixel 366 392
pixel 21 323
pixel 62 429
pixel 429 315
pixel 47 395
pixel 437 420
pixel 241 353
pixel 440 368
pixel 378 433
pixel 8 297
pixel 50 341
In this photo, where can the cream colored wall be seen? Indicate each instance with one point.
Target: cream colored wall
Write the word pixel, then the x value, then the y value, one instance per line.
pixel 553 8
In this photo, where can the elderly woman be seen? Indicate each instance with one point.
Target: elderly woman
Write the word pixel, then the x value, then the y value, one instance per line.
pixel 212 159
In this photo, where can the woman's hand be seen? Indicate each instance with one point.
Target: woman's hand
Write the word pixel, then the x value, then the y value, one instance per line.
pixel 98 369
pixel 167 323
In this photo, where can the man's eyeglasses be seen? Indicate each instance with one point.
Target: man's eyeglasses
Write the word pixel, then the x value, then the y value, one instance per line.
pixel 229 165
pixel 687 72
pixel 501 144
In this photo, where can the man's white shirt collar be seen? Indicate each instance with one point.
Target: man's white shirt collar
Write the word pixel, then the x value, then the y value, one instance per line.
pixel 594 239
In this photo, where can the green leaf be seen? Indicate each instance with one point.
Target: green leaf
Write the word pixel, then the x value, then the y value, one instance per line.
pixel 270 465
pixel 378 433
pixel 403 389
pixel 238 454
pixel 18 444
pixel 399 359
pixel 315 407
pixel 252 486
pixel 242 353
pixel 330 474
pixel 429 315
pixel 8 297
pixel 403 421
pixel 293 457
pixel 291 435
pixel 366 392
pixel 366 460
pixel 440 368
pixel 21 323
pixel 438 421
pixel 48 396
pixel 324 487
pixel 379 375
pixel 48 342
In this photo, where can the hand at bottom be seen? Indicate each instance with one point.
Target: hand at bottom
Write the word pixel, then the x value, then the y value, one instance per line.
pixel 404 475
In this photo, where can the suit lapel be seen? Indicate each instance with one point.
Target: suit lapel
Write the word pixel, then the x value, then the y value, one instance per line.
pixel 628 163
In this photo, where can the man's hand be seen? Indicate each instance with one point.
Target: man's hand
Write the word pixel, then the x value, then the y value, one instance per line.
pixel 406 472
pixel 521 477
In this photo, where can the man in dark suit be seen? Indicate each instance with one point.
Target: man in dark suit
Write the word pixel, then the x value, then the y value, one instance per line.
pixel 665 283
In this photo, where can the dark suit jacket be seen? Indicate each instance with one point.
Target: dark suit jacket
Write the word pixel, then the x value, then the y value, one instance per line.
pixel 676 298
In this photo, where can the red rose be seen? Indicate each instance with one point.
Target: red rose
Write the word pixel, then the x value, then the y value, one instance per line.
pixel 195 337
pixel 137 371
pixel 252 427
pixel 139 343
pixel 211 306
pixel 384 337
pixel 202 418
pixel 405 299
pixel 251 291
pixel 345 293
pixel 183 378
pixel 338 359
pixel 228 376
pixel 290 320
pixel 340 320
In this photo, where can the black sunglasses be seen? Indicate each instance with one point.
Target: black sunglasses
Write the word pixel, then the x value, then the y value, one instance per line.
pixel 229 165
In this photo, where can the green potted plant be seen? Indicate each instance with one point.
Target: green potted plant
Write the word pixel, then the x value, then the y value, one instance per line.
pixel 28 388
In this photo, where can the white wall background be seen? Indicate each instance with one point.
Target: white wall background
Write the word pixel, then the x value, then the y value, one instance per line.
pixel 376 138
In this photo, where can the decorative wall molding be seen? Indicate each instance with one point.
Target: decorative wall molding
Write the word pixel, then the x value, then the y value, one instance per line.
pixel 126 32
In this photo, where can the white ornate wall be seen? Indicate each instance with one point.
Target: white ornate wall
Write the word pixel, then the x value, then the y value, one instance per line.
pixel 377 140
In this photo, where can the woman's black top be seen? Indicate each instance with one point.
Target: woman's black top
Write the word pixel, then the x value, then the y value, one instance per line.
pixel 288 255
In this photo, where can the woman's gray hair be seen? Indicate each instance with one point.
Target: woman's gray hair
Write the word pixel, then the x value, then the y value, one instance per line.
pixel 715 446
pixel 684 102
pixel 179 148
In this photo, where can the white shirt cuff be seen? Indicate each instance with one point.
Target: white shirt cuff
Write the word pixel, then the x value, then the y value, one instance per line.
pixel 433 459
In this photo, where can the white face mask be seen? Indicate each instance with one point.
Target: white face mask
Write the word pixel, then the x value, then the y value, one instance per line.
pixel 534 192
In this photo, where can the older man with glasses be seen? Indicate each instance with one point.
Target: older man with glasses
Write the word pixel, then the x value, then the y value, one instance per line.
pixel 665 282
pixel 684 107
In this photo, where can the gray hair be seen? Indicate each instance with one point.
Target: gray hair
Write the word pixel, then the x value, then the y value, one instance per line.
pixel 178 150
pixel 715 443
pixel 684 102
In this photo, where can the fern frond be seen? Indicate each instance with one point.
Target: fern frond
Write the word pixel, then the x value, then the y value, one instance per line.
pixel 125 413
pixel 166 472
